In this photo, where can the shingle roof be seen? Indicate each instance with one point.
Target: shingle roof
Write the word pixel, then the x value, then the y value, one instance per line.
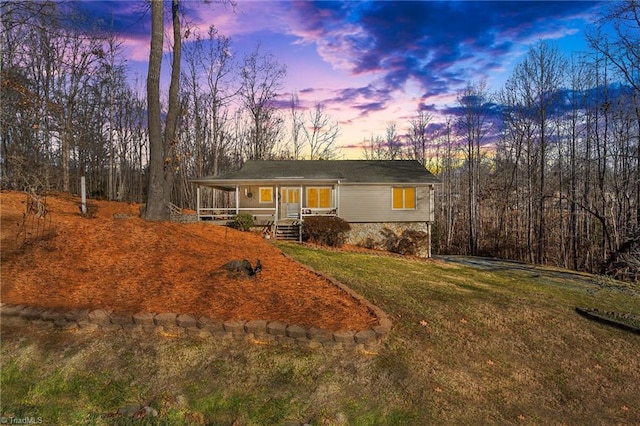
pixel 346 171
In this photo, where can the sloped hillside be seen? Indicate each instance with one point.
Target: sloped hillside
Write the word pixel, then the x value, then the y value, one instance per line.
pixel 119 262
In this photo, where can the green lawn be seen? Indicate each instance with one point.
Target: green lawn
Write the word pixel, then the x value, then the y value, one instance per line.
pixel 468 346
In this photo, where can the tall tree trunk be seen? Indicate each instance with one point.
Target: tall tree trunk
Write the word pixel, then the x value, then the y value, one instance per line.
pixel 541 223
pixel 173 112
pixel 161 147
pixel 156 208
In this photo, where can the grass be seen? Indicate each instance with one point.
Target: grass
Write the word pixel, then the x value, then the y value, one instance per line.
pixel 468 346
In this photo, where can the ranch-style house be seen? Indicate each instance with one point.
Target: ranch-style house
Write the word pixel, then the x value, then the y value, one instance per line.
pixel 371 195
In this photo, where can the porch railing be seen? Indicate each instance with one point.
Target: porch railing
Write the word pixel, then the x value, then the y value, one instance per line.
pixel 267 213
pixel 228 213
pixel 318 212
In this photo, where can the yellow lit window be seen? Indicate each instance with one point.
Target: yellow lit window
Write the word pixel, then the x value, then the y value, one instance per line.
pixel 266 194
pixel 319 198
pixel 290 195
pixel 403 198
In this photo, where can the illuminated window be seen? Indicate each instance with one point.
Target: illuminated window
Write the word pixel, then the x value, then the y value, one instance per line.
pixel 266 194
pixel 319 198
pixel 290 195
pixel 403 198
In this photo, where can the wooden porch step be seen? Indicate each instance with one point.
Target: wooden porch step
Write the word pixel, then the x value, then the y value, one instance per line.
pixel 289 232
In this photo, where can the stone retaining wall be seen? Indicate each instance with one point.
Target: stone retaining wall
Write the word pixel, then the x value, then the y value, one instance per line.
pixel 256 331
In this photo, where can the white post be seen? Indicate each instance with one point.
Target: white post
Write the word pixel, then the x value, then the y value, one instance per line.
pixel 237 199
pixel 198 201
pixel 83 194
pixel 277 210
pixel 300 195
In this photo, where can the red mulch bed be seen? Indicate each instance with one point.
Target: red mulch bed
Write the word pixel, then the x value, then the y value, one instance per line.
pixel 126 264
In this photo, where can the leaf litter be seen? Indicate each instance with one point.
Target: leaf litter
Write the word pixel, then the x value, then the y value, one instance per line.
pixel 121 263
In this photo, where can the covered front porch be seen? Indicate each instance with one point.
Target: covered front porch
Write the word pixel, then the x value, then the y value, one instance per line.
pixel 270 204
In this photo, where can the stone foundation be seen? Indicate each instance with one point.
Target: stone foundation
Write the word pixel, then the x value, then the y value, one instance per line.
pixel 370 235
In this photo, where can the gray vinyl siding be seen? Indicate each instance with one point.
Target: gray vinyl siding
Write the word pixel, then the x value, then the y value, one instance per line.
pixel 372 203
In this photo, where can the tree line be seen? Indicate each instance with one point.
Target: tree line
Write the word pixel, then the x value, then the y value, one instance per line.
pixel 547 169
pixel 544 170
pixel 70 107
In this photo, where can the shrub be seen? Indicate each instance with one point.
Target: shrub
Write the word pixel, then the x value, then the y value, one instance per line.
pixel 409 243
pixel 412 241
pixel 389 240
pixel 243 221
pixel 368 243
pixel 326 230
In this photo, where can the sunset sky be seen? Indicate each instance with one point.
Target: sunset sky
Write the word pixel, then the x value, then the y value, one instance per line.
pixel 371 63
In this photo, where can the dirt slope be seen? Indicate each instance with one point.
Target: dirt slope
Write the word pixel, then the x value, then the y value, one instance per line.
pixel 122 263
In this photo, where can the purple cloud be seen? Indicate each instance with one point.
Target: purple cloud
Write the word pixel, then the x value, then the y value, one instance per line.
pixel 439 44
pixel 370 62
pixel 131 18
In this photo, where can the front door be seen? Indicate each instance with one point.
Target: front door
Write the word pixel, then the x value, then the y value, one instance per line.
pixel 290 203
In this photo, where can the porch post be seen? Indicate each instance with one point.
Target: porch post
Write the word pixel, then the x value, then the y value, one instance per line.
pixel 300 215
pixel 198 201
pixel 277 200
pixel 237 200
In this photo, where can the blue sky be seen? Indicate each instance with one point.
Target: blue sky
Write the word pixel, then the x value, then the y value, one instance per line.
pixel 375 62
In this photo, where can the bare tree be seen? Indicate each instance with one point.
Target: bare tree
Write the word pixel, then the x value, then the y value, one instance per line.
pixel 473 125
pixel 78 57
pixel 541 75
pixel 297 125
pixel 373 149
pixel 449 172
pixel 50 66
pixel 130 131
pixel 394 147
pixel 622 47
pixel 388 147
pixel 574 132
pixel 207 92
pixel 321 133
pixel 261 81
pixel 418 140
pixel 221 90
